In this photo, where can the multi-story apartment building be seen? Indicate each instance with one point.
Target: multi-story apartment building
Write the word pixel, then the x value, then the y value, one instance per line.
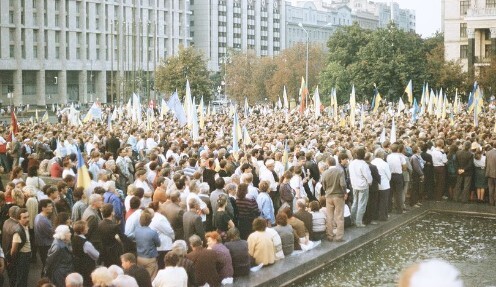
pixel 244 25
pixel 469 28
pixel 316 18
pixel 57 51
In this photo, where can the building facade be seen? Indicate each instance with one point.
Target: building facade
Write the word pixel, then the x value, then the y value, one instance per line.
pixel 319 21
pixel 469 28
pixel 244 25
pixel 59 51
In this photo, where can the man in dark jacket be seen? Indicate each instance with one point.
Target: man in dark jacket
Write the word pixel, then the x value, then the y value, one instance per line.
pixel 372 214
pixel 128 261
pixel 465 163
pixel 192 222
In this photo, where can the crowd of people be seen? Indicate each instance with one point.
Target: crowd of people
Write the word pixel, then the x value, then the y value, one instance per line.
pixel 162 209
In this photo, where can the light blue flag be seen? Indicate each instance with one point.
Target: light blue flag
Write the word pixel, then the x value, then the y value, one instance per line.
pixel 235 147
pixel 177 108
pixel 416 110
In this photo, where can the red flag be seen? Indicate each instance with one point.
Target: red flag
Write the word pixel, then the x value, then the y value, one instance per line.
pixel 14 128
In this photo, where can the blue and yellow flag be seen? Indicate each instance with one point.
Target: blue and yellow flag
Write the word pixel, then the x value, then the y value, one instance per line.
pixel 83 177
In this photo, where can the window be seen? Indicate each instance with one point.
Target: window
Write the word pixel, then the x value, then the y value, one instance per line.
pixel 11 17
pixel 487 51
pixel 464 5
pixel 57 53
pixel 463 51
pixel 487 34
pixel 490 3
pixel 463 30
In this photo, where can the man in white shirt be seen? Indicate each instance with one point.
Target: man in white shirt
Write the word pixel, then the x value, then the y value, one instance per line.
pixel 397 164
pixel 384 187
pixel 439 160
pixel 361 179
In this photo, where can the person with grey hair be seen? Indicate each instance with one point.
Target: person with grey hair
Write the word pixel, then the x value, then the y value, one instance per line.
pixel 385 174
pixel 124 281
pixel 60 259
pixel 93 217
pixel 180 248
pixel 74 280
pixel 192 222
pixel 205 197
pixel 101 276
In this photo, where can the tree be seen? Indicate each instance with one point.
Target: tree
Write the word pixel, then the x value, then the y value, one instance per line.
pixel 173 72
pixel 240 77
pixel 290 67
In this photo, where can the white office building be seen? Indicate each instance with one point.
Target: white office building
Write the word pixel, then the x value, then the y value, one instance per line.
pixel 243 25
pixel 469 28
pixel 59 51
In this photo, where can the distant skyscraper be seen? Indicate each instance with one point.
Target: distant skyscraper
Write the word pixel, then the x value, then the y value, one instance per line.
pixel 59 51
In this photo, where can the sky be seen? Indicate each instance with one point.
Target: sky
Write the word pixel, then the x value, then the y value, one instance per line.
pixel 427 12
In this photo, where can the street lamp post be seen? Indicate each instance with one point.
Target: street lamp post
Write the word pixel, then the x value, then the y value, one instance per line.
pixel 306 65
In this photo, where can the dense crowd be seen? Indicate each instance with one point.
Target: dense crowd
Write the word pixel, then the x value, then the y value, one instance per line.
pixel 162 209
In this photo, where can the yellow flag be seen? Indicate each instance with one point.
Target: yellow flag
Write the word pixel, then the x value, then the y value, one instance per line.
pixel 377 102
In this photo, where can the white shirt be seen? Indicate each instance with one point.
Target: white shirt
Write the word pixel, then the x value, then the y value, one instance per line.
pixel 384 172
pixel 360 174
pixel 396 162
pixel 132 223
pixel 266 174
pixel 171 276
pixel 439 158
pixel 147 192
pixel 165 232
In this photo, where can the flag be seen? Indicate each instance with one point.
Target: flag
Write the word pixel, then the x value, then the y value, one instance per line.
pixel 279 103
pixel 136 109
pixel 476 116
pixel 352 107
pixel 422 100
pixel 316 101
pixel 415 111
pixel 175 105
pixel 443 111
pixel 401 105
pixel 382 137
pixel 246 136
pixel 163 109
pixel 409 92
pixel 195 133
pixel 36 116
pixel 452 119
pixel 109 122
pixel 14 127
pixel 246 108
pixel 285 156
pixel 430 106
pixel 187 104
pixel 202 117
pixel 44 119
pixel 53 108
pixel 303 95
pixel 472 97
pixel 376 101
pixel 114 116
pixel 335 102
pixel 83 177
pixel 235 147
pixel 393 132
pixel 95 112
pixel 285 99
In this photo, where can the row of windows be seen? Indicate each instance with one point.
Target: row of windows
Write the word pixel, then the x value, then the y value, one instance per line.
pixel 464 51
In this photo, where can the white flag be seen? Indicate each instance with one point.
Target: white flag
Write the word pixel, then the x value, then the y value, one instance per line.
pixel 175 106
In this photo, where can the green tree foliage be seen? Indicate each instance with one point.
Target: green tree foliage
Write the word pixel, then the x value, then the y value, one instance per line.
pixel 189 64
pixel 388 58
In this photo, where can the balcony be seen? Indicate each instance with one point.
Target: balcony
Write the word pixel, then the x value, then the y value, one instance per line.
pixel 482 61
pixel 481 12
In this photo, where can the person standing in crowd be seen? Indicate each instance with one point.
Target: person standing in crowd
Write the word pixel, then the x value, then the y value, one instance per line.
pixel 174 213
pixel 238 248
pixel 417 177
pixel 439 161
pixel 128 263
pixel 19 255
pixel 109 231
pixel 286 192
pixel 206 263
pixel 260 244
pixel 247 210
pixel 491 173
pixel 171 275
pixel 428 171
pixel 214 242
pixel 93 217
pixel 361 179
pixel 397 164
pixel 465 168
pixel 265 204
pixel 85 254
pixel 192 222
pixel 334 186
pixel 43 230
pixel 371 213
pixel 147 242
pixel 480 179
pixel 161 225
pixel 60 258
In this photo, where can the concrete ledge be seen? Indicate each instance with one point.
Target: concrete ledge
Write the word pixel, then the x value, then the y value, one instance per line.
pixel 292 268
